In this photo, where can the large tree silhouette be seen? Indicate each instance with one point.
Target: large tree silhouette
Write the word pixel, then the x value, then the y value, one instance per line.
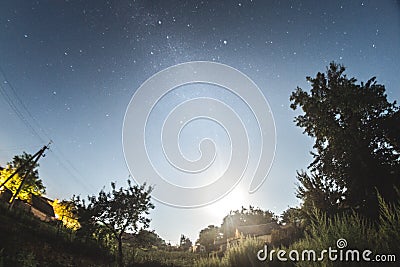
pixel 356 150
pixel 122 210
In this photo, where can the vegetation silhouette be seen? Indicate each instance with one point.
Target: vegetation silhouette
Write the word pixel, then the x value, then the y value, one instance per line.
pixel 117 212
pixel 356 133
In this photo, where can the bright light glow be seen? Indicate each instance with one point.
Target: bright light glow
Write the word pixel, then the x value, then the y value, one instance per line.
pixel 233 201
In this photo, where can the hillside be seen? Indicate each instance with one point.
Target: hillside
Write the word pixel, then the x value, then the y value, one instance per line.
pixel 27 241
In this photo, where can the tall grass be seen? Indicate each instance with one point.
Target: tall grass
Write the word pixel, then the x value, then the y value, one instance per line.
pixel 211 262
pixel 389 228
pixel 1 257
pixel 158 258
pixel 244 254
pixel 381 238
pixel 238 255
pixel 324 233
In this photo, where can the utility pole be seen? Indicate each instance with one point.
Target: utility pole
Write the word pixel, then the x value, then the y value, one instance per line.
pixel 37 156
pixel 19 168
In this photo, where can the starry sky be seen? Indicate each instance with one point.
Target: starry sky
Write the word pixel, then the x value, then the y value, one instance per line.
pixel 70 68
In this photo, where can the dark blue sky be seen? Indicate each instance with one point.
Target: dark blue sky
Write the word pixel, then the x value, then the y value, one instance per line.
pixel 75 65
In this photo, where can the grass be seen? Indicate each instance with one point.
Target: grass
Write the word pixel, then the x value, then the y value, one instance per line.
pixel 381 238
pixel 154 257
pixel 27 241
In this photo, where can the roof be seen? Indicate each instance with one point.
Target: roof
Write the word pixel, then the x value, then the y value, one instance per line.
pixel 41 204
pixel 219 241
pixel 49 200
pixel 258 229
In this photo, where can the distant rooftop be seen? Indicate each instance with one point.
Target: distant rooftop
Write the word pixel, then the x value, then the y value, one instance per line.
pixel 258 229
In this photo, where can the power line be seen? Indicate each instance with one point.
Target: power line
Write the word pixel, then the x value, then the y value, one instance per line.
pixel 19 114
pixel 19 147
pixel 21 104
pixel 14 101
pixel 68 169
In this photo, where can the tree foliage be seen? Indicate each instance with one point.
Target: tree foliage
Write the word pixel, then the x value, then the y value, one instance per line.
pixel 292 215
pixel 88 225
pixel 250 216
pixel 207 237
pixel 66 212
pixel 145 239
pixel 318 190
pixel 184 243
pixel 32 184
pixel 356 150
pixel 120 210
pixel 292 228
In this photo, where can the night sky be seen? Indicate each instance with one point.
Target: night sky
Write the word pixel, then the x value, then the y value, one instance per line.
pixel 70 68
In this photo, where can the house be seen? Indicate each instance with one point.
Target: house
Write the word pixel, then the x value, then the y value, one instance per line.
pixel 5 195
pixel 198 248
pixel 42 208
pixel 39 206
pixel 220 243
pixel 259 231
